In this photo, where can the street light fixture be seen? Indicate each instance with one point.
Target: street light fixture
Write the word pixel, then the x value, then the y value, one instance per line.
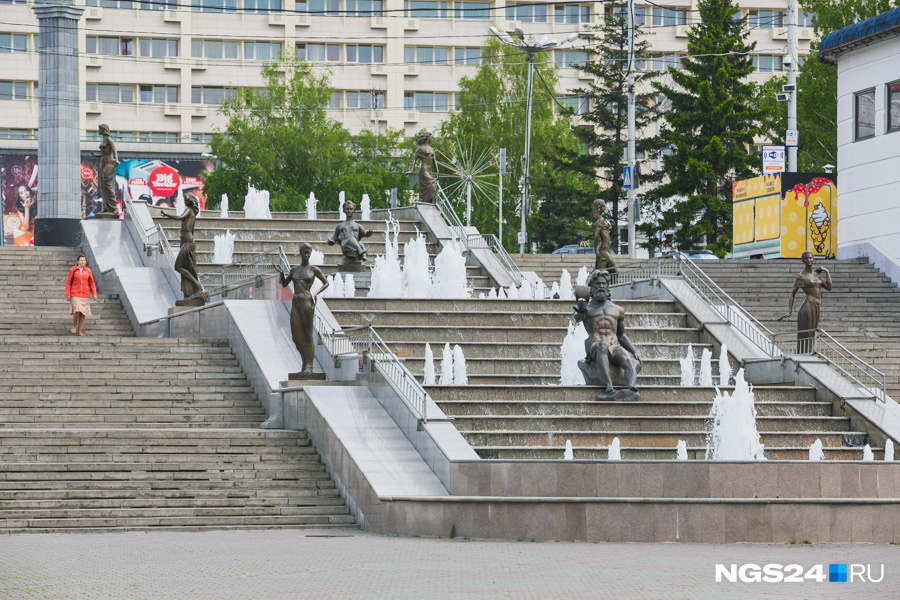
pixel 531 48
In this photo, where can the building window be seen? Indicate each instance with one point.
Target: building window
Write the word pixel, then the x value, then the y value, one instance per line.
pixel 805 19
pixel 109 46
pixel 668 17
pixel 572 13
pixel 334 101
pixel 319 52
pixel 17 134
pixel 578 104
pixel 426 55
pixel 214 6
pixel 159 94
pixel 420 9
pixel 570 59
pixel 201 138
pixel 262 6
pixel 365 99
pixel 214 49
pixel 364 8
pixel 109 92
pixel 158 137
pixel 365 54
pixel 527 13
pixel 327 8
pixel 13 1
pixel 262 50
pixel 14 90
pixel 768 63
pixel 765 19
pixel 467 56
pixel 426 101
pixel 640 14
pixel 893 102
pixel 471 10
pixel 211 95
pixel 13 42
pixel 864 114
pixel 157 47
pixel 662 62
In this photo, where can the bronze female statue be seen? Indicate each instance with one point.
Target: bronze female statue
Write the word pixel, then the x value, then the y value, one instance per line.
pixel 303 306
pixel 603 250
pixel 348 234
pixel 109 158
pixel 428 181
pixel 186 261
pixel 811 281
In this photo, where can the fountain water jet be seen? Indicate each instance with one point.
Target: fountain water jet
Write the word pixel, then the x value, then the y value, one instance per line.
pixel 687 368
pixel 223 207
pixel 311 207
pixel 554 290
pixel 223 248
pixel 681 450
pixel 706 368
pixel 566 291
pixel 815 451
pixel 571 351
pixel 459 367
pixel 429 365
pixel 341 206
pixel 615 451
pixel 492 295
pixel 317 258
pixel 724 367
pixel 734 435
pixel 387 275
pixel 568 453
pixel 501 295
pixel 888 450
pixel 416 271
pixel 365 208
pixel 256 204
pixel 447 366
pixel 581 278
pixel 179 202
pixel 513 293
pixel 349 286
pixel 450 274
pixel 868 455
pixel 338 286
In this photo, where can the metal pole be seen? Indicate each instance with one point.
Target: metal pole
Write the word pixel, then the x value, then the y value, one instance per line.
pixel 469 202
pixel 500 209
pixel 792 80
pixel 631 152
pixel 527 147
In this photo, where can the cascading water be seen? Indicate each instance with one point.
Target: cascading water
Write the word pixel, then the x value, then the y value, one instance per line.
pixel 223 207
pixel 615 451
pixel 429 365
pixel 888 450
pixel 223 248
pixel 526 291
pixel 540 290
pixel 868 455
pixel 450 274
pixel 492 295
pixel 581 278
pixel 687 368
pixel 447 366
pixel 256 204
pixel 317 258
pixel 349 286
pixel 179 202
pixel 554 290
pixel 341 206
pixel 338 286
pixel 329 291
pixel 513 293
pixel 501 295
pixel 724 367
pixel 815 451
pixel 365 208
pixel 566 291
pixel 706 368
pixel 568 453
pixel 681 450
pixel 311 207
pixel 387 275
pixel 459 367
pixel 416 271
pixel 734 435
pixel 571 351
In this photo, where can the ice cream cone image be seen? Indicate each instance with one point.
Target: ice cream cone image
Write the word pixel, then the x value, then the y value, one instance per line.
pixel 819 223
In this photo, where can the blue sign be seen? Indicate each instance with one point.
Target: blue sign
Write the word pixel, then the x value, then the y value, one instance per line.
pixel 626 178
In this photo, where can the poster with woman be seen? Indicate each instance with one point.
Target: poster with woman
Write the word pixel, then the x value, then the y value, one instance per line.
pixel 19 188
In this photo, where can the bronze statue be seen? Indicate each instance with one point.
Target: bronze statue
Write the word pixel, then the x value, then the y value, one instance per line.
pixel 348 234
pixel 109 158
pixel 303 306
pixel 603 258
pixel 811 281
pixel 610 357
pixel 428 181
pixel 186 261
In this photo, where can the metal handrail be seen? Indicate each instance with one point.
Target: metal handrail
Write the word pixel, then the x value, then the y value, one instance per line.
pixel 490 242
pixel 366 341
pixel 232 276
pixel 146 233
pixel 449 215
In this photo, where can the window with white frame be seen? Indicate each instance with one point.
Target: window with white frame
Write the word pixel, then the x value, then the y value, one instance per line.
pixel 157 47
pixel 214 6
pixel 365 99
pixel 321 8
pixel 570 59
pixel 467 56
pixel 668 17
pixel 109 92
pixel 211 95
pixel 426 55
pixel 768 63
pixel 427 101
pixel 661 62
pixel 572 13
pixel 365 53
pixel 319 52
pixel 805 19
pixel 262 6
pixel 765 19
pixel 640 14
pixel 262 50
pixel 214 49
pixel 18 134
pixel 578 104
pixel 364 8
pixel 334 101
pixel 13 42
pixel 528 13
pixel 109 46
pixel 158 94
pixel 472 10
pixel 14 90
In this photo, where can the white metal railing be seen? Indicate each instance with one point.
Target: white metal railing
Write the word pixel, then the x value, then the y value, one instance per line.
pixel 365 341
pixel 236 275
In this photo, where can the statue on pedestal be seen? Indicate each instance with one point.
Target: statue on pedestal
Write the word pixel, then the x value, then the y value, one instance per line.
pixel 603 250
pixel 109 158
pixel 348 234
pixel 186 261
pixel 811 281
pixel 610 357
pixel 428 181
pixel 303 308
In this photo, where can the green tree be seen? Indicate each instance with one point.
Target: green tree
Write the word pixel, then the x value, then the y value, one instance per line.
pixel 606 136
pixel 490 115
pixel 281 139
pixel 709 132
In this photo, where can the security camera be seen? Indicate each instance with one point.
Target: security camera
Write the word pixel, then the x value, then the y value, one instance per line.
pixel 781 97
pixel 789 88
pixel 788 59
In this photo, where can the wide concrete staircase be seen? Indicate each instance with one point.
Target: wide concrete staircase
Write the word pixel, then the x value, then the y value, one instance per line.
pixel 514 407
pixel 113 432
pixel 549 266
pixel 288 230
pixel 861 311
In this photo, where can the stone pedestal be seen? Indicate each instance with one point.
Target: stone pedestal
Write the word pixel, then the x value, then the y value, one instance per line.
pixel 59 123
pixel 106 216
pixel 352 266
pixel 301 378
pixel 190 303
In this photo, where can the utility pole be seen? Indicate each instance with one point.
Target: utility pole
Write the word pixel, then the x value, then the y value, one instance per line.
pixel 500 208
pixel 631 152
pixel 792 80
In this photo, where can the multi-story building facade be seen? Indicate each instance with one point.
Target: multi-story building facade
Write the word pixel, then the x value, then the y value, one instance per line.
pixel 156 70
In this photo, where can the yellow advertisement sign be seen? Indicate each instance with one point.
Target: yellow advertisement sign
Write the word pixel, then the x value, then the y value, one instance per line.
pixel 809 218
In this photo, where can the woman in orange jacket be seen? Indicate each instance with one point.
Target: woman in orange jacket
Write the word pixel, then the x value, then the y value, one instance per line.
pixel 79 288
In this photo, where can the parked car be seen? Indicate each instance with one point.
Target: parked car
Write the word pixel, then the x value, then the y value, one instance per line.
pixel 696 254
pixel 574 249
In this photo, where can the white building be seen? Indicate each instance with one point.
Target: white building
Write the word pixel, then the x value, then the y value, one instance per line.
pixel 868 62
pixel 155 70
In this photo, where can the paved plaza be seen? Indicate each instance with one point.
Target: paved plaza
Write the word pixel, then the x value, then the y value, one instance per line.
pixel 332 563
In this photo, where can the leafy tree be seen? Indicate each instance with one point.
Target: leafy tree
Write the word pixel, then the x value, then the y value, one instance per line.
pixel 606 137
pixel 490 116
pixel 709 132
pixel 281 139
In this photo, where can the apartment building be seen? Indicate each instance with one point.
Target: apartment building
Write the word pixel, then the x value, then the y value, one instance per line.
pixel 156 70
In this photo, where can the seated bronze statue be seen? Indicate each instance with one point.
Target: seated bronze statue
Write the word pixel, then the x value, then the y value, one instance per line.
pixel 348 234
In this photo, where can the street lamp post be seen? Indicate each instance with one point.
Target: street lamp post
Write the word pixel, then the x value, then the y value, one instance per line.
pixel 531 48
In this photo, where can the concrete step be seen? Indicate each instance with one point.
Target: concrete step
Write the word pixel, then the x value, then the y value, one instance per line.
pixel 529 351
pixel 435 334
pixel 544 367
pixel 652 453
pixel 561 408
pixel 511 307
pixel 474 318
pixel 575 393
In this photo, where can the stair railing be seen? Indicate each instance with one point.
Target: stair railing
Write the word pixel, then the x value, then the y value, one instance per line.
pixel 233 276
